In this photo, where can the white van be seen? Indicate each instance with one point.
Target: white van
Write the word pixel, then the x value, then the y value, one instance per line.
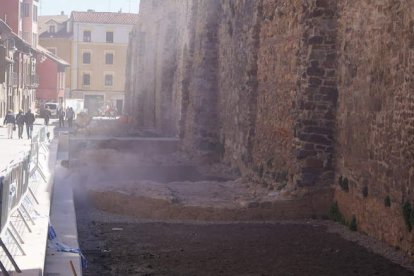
pixel 52 107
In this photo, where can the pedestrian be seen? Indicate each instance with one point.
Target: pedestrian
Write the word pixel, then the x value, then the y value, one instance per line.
pixel 20 123
pixel 29 119
pixel 61 115
pixel 47 117
pixel 70 114
pixel 10 122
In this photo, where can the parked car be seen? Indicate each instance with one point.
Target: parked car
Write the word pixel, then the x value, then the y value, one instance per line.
pixel 49 108
pixel 52 108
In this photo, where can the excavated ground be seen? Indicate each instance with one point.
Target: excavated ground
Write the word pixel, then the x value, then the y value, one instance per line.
pixel 156 214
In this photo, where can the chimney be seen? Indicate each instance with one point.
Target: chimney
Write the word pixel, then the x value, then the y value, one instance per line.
pixel 90 10
pixel 62 13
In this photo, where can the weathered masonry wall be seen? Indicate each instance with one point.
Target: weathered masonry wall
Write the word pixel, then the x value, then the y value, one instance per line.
pixel 297 93
pixel 293 94
pixel 152 62
pixel 274 155
pixel 375 141
pixel 237 81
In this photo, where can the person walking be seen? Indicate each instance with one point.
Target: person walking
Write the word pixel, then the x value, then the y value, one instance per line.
pixel 10 122
pixel 61 115
pixel 20 123
pixel 29 119
pixel 47 117
pixel 70 114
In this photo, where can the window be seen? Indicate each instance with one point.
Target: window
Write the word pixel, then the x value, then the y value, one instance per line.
pixel 86 36
pixel 109 58
pixel 35 13
pixel 86 80
pixel 52 29
pixel 25 10
pixel 109 37
pixel 108 80
pixel 86 58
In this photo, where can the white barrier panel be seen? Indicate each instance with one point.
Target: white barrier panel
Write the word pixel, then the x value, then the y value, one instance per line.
pixel 19 181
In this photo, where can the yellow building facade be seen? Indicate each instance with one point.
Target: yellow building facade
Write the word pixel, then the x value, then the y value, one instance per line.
pixel 95 44
pixel 100 61
pixel 98 58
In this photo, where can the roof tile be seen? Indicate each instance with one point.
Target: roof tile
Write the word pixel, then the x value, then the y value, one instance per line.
pixel 105 17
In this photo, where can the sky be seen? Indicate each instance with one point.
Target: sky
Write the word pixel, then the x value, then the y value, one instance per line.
pixel 54 7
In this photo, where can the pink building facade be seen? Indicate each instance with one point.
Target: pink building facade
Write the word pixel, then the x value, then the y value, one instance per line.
pixel 52 78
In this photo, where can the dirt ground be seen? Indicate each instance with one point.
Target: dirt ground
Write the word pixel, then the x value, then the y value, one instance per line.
pixel 118 245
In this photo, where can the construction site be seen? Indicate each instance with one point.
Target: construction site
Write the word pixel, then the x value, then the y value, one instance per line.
pixel 145 208
pixel 238 137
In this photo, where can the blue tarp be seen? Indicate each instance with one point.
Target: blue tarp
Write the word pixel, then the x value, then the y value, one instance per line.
pixel 61 247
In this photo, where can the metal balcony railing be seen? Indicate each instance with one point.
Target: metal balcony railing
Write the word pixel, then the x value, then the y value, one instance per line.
pixel 33 81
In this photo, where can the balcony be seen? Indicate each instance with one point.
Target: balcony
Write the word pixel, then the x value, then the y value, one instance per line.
pixel 33 81
pixel 14 79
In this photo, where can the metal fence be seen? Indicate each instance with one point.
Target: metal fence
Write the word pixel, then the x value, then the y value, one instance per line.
pixel 18 185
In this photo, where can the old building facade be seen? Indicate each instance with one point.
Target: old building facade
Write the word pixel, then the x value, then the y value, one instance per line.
pixel 19 39
pixel 29 10
pixel 303 97
pixel 98 57
pixel 57 40
pixel 52 70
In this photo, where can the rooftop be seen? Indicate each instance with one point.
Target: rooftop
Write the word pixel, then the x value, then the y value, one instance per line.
pixel 52 56
pixel 45 19
pixel 105 17
pixel 59 34
pixel 57 18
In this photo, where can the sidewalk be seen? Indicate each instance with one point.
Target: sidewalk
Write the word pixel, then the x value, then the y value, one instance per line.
pixel 13 149
pixel 63 218
pixel 55 205
pixel 34 241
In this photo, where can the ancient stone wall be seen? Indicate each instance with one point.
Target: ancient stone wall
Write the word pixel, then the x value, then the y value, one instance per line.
pixel 203 70
pixel 280 36
pixel 375 141
pixel 200 126
pixel 293 94
pixel 152 67
pixel 237 80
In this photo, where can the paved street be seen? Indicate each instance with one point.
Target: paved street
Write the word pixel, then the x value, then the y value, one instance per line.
pixel 13 149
